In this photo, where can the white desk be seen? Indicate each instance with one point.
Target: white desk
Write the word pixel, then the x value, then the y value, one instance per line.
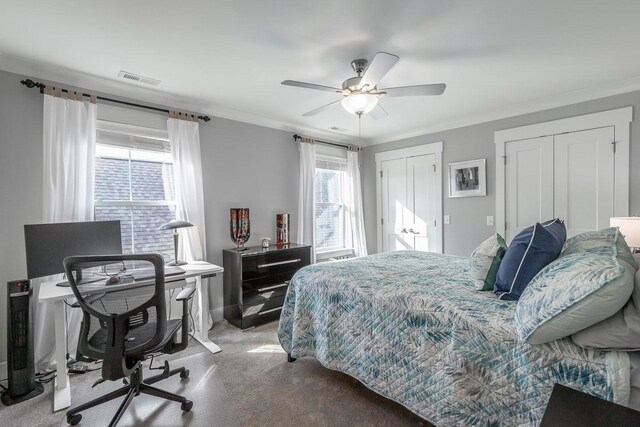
pixel 51 293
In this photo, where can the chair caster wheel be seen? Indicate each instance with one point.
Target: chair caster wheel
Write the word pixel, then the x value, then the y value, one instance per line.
pixel 186 406
pixel 74 419
pixel 184 374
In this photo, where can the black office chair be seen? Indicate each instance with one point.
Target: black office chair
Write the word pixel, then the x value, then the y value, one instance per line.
pixel 124 323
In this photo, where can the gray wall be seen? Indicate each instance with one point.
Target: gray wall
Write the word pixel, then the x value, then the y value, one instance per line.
pixel 468 215
pixel 20 181
pixel 243 166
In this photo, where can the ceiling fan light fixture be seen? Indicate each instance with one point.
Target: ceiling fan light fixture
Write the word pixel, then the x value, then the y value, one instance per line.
pixel 359 103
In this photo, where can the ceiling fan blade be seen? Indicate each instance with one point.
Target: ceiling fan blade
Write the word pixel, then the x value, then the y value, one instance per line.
pixel 419 90
pixel 321 109
pixel 310 86
pixel 381 64
pixel 378 112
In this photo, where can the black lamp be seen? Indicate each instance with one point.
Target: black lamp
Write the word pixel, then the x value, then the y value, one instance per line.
pixel 174 224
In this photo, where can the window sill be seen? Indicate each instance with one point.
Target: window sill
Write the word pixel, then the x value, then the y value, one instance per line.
pixel 326 254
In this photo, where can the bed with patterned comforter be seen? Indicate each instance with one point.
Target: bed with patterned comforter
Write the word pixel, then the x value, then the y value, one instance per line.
pixel 409 326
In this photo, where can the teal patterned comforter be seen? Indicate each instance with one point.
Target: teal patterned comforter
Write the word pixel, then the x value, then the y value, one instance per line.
pixel 410 326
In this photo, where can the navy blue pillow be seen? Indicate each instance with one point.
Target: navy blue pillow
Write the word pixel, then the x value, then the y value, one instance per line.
pixel 529 252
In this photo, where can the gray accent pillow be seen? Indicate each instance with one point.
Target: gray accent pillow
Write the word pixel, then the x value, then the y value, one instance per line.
pixel 485 261
pixel 620 332
pixel 590 281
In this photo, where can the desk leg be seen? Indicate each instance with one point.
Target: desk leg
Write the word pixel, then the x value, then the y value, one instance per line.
pixel 201 334
pixel 62 387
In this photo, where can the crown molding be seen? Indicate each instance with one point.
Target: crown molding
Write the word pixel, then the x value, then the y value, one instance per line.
pixel 127 91
pixel 569 98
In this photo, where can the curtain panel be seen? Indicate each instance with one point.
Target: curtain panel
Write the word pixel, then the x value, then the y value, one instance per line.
pixel 306 197
pixel 353 202
pixel 69 138
pixel 184 137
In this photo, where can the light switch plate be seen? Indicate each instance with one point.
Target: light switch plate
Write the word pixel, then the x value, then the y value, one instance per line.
pixel 490 220
pixel 447 219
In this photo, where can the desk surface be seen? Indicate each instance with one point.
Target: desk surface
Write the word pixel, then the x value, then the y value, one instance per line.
pixel 49 291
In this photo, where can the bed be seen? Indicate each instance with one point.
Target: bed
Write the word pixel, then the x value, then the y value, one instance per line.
pixel 410 326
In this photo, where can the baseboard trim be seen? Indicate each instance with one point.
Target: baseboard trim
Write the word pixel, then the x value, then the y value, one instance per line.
pixel 217 314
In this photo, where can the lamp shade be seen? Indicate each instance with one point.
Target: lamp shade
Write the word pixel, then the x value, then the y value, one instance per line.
pixel 359 103
pixel 175 223
pixel 629 227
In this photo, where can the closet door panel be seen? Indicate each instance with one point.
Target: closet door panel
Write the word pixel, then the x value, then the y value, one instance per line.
pixel 584 179
pixel 529 183
pixel 421 190
pixel 394 206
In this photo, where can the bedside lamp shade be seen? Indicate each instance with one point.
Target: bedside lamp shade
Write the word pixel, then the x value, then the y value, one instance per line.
pixel 630 229
pixel 174 224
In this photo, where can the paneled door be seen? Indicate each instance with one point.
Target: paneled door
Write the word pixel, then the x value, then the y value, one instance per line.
pixel 419 219
pixel 394 205
pixel 529 183
pixel 409 203
pixel 586 160
pixel 570 176
pixel 584 179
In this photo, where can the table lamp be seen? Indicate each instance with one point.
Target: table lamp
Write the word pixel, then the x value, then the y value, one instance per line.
pixel 630 228
pixel 174 224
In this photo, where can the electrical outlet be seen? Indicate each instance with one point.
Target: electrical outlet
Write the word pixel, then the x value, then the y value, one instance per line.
pixel 447 219
pixel 490 220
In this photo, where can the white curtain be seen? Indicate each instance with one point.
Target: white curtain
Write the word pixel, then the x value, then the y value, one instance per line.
pixel 353 205
pixel 306 196
pixel 184 137
pixel 69 137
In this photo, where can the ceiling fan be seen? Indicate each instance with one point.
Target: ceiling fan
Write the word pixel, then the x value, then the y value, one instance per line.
pixel 361 93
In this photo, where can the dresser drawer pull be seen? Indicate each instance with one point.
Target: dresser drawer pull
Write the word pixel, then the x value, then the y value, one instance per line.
pixel 269 288
pixel 273 264
pixel 269 311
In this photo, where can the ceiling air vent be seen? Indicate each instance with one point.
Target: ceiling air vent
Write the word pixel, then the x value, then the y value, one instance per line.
pixel 138 78
pixel 337 129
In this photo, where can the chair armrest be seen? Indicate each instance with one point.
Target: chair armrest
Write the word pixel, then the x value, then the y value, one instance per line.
pixel 185 294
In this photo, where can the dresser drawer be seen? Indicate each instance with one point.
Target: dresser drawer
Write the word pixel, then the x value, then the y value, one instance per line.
pixel 270 264
pixel 262 295
pixel 266 305
pixel 260 318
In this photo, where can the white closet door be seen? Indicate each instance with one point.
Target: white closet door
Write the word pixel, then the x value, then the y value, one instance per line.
pixel 421 192
pixel 584 179
pixel 529 183
pixel 394 205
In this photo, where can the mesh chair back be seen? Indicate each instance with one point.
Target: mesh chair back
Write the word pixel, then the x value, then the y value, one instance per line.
pixel 123 302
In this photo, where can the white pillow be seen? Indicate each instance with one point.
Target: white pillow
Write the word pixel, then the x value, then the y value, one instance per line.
pixel 485 261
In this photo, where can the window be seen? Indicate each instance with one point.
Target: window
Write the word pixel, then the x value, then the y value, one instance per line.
pixel 134 184
pixel 329 209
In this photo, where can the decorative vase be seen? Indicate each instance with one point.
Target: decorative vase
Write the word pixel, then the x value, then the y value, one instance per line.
pixel 239 226
pixel 282 229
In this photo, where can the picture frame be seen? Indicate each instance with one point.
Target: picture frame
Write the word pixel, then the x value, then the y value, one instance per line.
pixel 468 179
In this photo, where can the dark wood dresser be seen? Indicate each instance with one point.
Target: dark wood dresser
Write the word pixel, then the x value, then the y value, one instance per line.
pixel 256 281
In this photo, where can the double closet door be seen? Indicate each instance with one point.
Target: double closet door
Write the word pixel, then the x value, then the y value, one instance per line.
pixel 569 176
pixel 408 201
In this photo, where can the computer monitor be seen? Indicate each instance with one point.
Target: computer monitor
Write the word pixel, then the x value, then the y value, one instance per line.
pixel 47 245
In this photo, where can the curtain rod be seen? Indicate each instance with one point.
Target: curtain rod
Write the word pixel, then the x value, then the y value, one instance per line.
pixel 31 84
pixel 346 147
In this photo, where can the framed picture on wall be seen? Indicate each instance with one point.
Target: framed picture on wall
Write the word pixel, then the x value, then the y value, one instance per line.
pixel 468 179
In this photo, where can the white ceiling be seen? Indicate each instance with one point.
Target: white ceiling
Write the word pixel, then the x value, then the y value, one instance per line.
pixel 227 58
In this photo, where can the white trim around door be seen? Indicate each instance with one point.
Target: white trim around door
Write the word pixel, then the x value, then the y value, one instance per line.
pixel 435 148
pixel 619 118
